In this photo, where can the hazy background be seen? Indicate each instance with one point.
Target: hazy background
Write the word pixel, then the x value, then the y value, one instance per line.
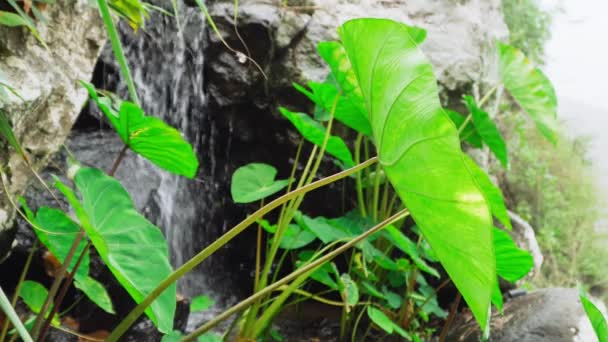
pixel 577 64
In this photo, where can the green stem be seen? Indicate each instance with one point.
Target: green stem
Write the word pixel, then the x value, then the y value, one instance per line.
pixel 117 48
pixel 5 305
pixel 486 96
pixel 26 267
pixel 359 184
pixel 296 274
pixel 217 244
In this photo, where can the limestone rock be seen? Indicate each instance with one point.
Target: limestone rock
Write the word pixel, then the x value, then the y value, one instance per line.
pixel 546 315
pixel 47 80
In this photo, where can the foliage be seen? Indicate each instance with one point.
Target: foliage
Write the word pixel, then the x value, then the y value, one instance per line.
pixel 554 189
pixel 254 182
pixel 529 27
pixel 383 87
pixel 148 136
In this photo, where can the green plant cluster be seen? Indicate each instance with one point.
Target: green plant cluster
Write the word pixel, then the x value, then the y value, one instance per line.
pixel 423 203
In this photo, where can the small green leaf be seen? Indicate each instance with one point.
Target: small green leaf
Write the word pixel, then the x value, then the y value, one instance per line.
pixel 33 295
pixel 201 303
pixel 385 323
pixel 7 132
pixel 296 237
pixel 96 292
pixel 369 288
pixel 325 95
pixel 174 336
pixel 12 19
pixel 488 131
pixel 148 136
pixel 210 337
pixel 407 246
pixel 468 133
pixel 512 262
pixel 321 274
pixel 134 249
pixel 349 291
pixel 254 182
pixel 598 321
pixel 492 192
pixel 393 300
pixel 530 88
pixel 321 228
pixel 314 132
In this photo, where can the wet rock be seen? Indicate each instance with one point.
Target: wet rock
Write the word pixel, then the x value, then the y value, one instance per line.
pixel 546 315
pixel 46 79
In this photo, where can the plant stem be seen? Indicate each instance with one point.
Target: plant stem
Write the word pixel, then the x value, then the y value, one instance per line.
pixel 5 305
pixel 359 184
pixel 486 96
pixel 118 160
pixel 297 273
pixel 63 292
pixel 117 48
pixel 450 319
pixel 217 244
pixel 56 283
pixel 26 267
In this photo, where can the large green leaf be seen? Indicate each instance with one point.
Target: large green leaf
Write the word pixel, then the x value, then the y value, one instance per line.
pixel 134 249
pixel 491 191
pixel 488 131
pixel 148 136
pixel 512 262
pixel 254 182
pixel 598 321
pixel 58 235
pixel 419 149
pixel 315 133
pixel 530 88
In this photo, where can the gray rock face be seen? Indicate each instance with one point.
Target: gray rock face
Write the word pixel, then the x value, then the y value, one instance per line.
pixel 47 82
pixel 525 238
pixel 459 36
pixel 547 315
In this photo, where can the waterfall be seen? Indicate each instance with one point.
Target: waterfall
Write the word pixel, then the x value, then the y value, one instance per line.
pixel 167 64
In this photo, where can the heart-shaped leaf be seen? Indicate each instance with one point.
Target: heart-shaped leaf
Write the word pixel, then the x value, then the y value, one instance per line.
pixel 419 149
pixel 314 132
pixel 530 88
pixel 57 232
pixel 254 182
pixel 134 249
pixel 488 131
pixel 148 136
pixel 58 235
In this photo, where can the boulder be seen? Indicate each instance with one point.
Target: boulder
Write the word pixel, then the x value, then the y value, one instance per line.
pixel 47 81
pixel 545 315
